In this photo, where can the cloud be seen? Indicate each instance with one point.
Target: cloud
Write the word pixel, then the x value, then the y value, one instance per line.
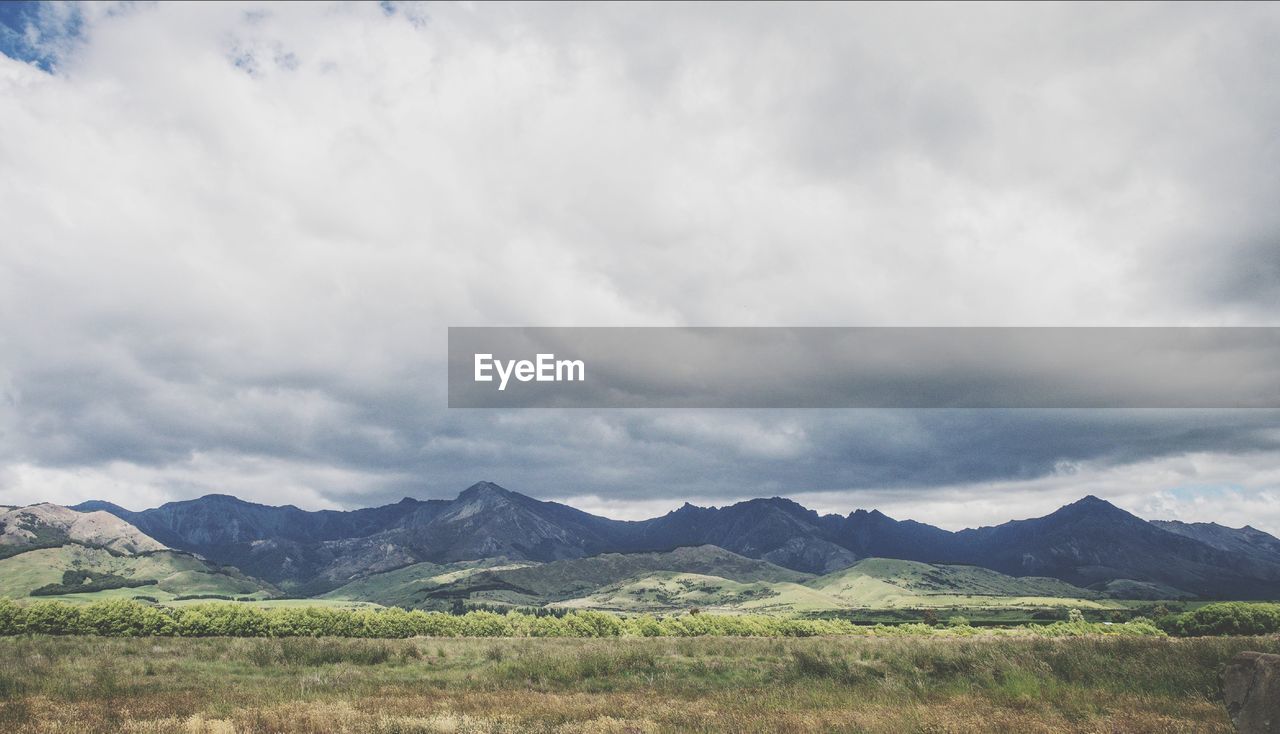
pixel 234 235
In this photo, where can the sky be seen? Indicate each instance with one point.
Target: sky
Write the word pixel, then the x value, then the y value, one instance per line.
pixel 232 238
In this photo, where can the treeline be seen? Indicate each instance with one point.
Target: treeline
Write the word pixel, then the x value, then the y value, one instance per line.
pixel 84 582
pixel 128 618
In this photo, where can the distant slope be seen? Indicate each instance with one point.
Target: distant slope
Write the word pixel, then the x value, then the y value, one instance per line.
pixel 430 585
pixel 1245 540
pixel 874 581
pixel 1093 541
pixel 283 545
pixel 666 591
pixel 413 585
pixel 487 521
pixel 924 578
pixel 175 573
pixel 319 551
pixel 569 578
pixel 775 529
pixel 46 525
pixel 1140 590
pixel 871 584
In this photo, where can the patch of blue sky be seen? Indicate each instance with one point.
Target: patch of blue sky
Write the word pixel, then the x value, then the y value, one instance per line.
pixel 39 33
pixel 1204 491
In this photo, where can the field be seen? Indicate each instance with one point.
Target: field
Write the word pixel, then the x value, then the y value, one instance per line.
pixel 919 684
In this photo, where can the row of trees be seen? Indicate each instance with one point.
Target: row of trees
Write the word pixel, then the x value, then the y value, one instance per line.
pixel 128 618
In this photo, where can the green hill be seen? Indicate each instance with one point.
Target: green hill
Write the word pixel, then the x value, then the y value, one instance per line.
pixel 875 583
pixel 414 585
pixel 667 592
pixel 535 584
pixel 711 578
pixel 571 578
pixel 174 573
pixel 1141 590
pixel 925 578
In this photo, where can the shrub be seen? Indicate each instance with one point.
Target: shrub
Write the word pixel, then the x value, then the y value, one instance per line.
pixel 52 618
pixel 125 618
pixel 484 624
pixel 1225 618
pixel 13 618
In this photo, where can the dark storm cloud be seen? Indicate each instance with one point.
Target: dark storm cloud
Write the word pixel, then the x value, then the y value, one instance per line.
pixel 745 453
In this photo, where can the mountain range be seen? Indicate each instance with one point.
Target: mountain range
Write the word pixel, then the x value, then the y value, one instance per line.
pixel 1090 545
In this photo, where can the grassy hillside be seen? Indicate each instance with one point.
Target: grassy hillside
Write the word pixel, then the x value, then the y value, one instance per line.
pixel 1141 590
pixel 875 583
pixel 927 578
pixel 711 578
pixel 667 591
pixel 571 578
pixel 427 585
pixel 176 574
pixel 882 583
pixel 707 577
pixel 416 585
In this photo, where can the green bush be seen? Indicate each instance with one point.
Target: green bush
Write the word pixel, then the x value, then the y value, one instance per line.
pixel 123 618
pixel 52 618
pixel 1225 618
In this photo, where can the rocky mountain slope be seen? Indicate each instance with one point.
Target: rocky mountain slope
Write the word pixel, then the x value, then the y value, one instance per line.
pixel 49 525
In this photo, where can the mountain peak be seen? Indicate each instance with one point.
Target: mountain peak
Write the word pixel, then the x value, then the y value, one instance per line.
pixel 1091 503
pixel 771 502
pixel 227 498
pixel 1091 509
pixel 98 505
pixel 484 489
pixel 488 495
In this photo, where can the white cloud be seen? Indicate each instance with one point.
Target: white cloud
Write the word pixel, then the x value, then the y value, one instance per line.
pixel 140 486
pixel 1230 489
pixel 240 231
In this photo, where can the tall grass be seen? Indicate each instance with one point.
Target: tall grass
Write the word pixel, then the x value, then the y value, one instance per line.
pixel 875 684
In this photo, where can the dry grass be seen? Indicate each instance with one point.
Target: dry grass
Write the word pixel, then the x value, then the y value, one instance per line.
pixel 84 684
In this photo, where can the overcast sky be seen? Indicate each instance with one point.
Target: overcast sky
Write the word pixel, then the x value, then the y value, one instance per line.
pixel 232 238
